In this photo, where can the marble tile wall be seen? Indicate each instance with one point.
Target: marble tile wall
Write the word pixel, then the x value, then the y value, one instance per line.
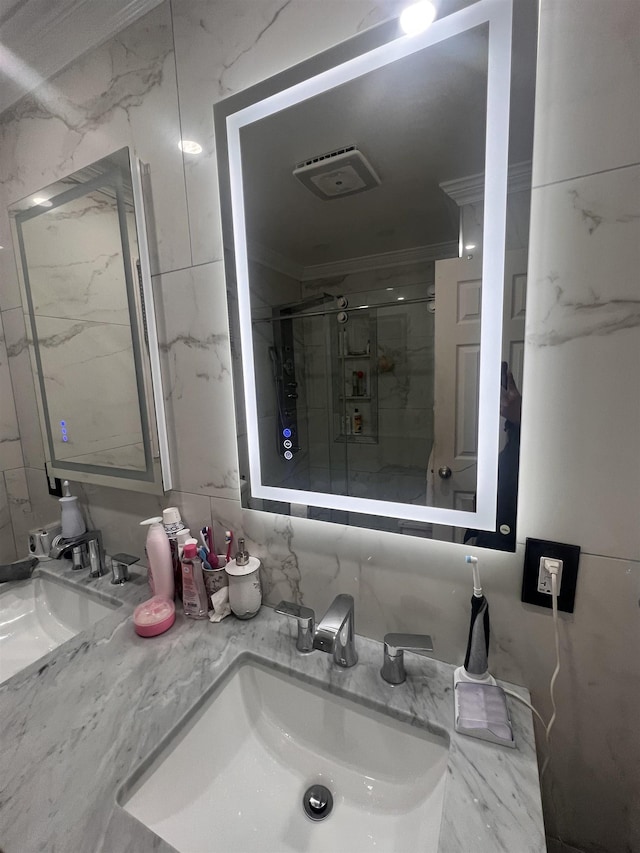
pixel 10 448
pixel 122 93
pixel 23 381
pixel 11 457
pixel 580 479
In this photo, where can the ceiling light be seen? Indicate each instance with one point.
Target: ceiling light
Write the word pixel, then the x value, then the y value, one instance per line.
pixel 189 146
pixel 389 288
pixel 43 202
pixel 400 298
pixel 470 246
pixel 418 17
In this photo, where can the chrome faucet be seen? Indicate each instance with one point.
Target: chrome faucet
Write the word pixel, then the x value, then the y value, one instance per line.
pixel 335 633
pixel 86 551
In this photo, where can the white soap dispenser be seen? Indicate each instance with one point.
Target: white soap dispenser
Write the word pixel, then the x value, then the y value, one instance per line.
pixel 245 591
pixel 70 515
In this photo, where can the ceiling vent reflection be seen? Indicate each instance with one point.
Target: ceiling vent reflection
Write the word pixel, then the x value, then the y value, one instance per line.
pixel 345 171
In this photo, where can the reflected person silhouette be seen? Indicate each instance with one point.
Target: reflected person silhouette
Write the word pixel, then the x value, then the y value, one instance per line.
pixel 503 538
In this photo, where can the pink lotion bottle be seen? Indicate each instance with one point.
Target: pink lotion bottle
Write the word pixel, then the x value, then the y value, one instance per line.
pixel 158 550
pixel 194 594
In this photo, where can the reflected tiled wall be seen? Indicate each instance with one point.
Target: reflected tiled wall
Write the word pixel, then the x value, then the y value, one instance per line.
pixel 580 480
pixel 397 409
pixel 77 284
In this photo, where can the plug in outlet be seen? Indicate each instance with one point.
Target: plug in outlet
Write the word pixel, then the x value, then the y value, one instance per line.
pixel 539 554
pixel 544 575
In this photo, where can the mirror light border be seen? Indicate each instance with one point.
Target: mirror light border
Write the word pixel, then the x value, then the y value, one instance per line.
pixel 150 318
pixel 498 15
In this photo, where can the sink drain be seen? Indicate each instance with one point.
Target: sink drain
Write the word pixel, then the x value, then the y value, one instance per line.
pixel 317 802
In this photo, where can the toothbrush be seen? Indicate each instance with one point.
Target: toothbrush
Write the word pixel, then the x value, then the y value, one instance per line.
pixel 477 588
pixel 203 556
pixel 203 539
pixel 213 557
pixel 228 538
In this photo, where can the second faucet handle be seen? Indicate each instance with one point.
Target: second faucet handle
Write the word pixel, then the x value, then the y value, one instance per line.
pixel 120 567
pixel 306 623
pixel 395 645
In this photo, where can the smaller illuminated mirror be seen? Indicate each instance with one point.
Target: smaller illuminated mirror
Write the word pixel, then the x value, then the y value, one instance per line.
pixel 84 269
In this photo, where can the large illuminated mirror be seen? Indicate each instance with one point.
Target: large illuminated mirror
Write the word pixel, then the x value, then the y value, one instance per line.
pixel 83 261
pixel 376 209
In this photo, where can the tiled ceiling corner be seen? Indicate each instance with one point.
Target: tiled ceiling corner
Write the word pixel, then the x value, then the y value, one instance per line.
pixel 40 37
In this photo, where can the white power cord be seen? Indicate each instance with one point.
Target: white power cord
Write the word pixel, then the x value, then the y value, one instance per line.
pixel 553 567
pixel 528 704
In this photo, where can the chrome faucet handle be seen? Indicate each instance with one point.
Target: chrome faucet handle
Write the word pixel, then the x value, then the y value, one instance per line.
pixel 395 645
pixel 335 633
pixel 96 557
pixel 96 553
pixel 306 623
pixel 79 558
pixel 120 567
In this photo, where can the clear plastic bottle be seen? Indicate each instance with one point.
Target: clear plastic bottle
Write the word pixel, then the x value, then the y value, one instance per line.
pixel 194 594
pixel 173 524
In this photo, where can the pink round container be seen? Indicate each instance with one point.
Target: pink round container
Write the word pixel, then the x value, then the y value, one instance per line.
pixel 154 616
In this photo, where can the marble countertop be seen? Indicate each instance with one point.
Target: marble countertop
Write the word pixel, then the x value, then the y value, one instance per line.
pixel 77 724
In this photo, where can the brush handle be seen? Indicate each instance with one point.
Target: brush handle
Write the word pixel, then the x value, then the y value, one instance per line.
pixel 229 539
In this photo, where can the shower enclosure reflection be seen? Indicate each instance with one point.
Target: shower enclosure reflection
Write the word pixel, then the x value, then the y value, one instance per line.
pixel 354 385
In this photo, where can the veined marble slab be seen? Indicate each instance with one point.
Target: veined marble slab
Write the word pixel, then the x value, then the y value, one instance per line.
pixel 78 357
pixel 10 448
pixel 75 263
pixel 79 723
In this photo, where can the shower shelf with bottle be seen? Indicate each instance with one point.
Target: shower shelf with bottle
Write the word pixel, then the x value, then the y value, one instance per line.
pixel 355 381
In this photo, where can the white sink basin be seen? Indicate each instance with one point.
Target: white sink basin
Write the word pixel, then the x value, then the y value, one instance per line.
pixel 39 614
pixel 233 778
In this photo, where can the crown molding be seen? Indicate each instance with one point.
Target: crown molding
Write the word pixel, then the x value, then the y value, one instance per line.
pixel 383 260
pixel 470 189
pixel 275 261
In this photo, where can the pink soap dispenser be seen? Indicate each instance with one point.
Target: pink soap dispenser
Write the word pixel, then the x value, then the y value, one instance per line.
pixel 160 566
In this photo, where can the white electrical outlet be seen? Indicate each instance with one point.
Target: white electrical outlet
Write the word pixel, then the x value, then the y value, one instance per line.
pixel 544 575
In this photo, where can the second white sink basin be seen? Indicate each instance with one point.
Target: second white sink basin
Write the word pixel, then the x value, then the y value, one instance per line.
pixel 38 615
pixel 233 778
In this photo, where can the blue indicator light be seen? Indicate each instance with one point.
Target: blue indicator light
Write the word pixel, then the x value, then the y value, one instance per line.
pixel 63 423
pixel 65 438
pixel 286 432
pixel 64 430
